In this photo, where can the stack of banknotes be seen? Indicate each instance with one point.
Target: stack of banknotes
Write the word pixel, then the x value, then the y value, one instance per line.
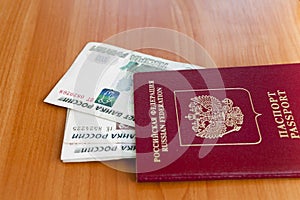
pixel 98 92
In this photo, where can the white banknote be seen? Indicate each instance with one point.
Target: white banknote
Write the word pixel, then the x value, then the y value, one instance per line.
pixel 99 82
pixel 89 138
pixel 94 152
pixel 87 129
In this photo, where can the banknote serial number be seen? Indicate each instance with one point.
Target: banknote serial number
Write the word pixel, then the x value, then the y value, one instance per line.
pixel 71 94
pixel 93 128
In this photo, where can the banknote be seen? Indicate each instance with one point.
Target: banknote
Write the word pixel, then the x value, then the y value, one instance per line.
pixel 94 152
pixel 82 128
pixel 89 138
pixel 99 82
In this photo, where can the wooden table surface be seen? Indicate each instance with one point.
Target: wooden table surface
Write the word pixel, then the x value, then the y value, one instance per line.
pixel 39 40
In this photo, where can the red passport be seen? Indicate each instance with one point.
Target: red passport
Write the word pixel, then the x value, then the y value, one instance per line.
pixel 239 122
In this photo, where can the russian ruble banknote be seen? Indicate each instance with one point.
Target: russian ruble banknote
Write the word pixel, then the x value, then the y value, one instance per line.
pixel 98 90
pixel 99 82
pixel 89 138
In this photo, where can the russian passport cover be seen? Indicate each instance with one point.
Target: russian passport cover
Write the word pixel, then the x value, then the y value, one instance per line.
pixel 239 122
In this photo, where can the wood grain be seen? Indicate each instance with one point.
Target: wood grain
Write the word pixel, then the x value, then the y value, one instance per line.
pixel 39 39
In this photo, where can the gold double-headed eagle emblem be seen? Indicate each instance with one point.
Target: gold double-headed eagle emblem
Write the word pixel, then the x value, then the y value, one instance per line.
pixel 213 118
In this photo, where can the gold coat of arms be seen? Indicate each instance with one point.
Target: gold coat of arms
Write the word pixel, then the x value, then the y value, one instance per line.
pixel 213 118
